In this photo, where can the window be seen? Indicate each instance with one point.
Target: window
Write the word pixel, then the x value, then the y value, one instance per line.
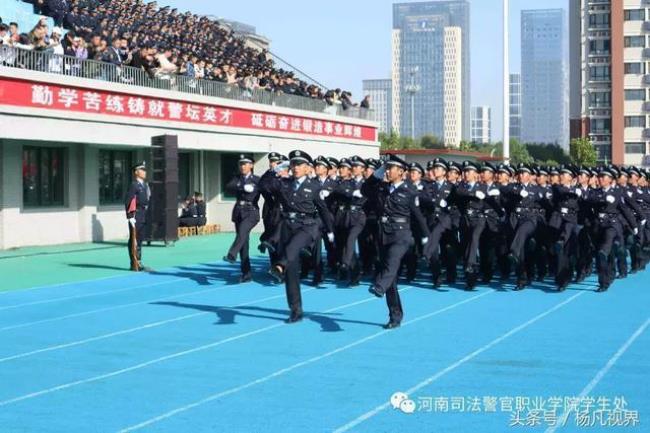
pixel 600 126
pixel 635 95
pixel 635 121
pixel 600 99
pixel 635 68
pixel 635 148
pixel 184 176
pixel 114 175
pixel 634 14
pixel 599 20
pixel 43 176
pixel 229 168
pixel 599 73
pixel 599 46
pixel 634 41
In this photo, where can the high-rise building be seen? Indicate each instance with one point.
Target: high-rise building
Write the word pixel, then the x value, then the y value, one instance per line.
pixel 609 77
pixel 381 96
pixel 431 64
pixel 544 105
pixel 515 106
pixel 481 125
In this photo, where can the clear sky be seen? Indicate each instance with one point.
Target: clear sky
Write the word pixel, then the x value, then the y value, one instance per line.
pixel 342 42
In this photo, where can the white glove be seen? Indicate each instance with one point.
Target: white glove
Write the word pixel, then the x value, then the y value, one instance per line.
pixel 578 192
pixel 523 193
pixel 131 221
pixel 330 237
pixel 610 199
pixel 549 196
pixel 636 231
pixel 643 223
pixel 324 194
pixel 357 193
pixel 284 165
pixel 425 241
pixel 443 203
pixel 494 193
pixel 480 195
pixel 249 187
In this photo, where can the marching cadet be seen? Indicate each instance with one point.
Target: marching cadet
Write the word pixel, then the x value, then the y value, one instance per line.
pixel 351 219
pixel 564 221
pixel 491 240
pixel 586 223
pixel 245 214
pixel 369 239
pixel 642 198
pixel 543 235
pixel 451 238
pixel 412 258
pixel 609 205
pixel 340 224
pixel 471 195
pixel 302 203
pixel 524 220
pixel 435 205
pixel 327 185
pixel 399 203
pixel 136 204
pixel 505 173
pixel 270 211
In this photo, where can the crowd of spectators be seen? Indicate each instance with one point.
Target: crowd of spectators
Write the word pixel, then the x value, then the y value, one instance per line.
pixel 161 41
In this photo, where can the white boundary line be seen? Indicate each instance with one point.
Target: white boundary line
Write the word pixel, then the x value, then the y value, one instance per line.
pixel 355 422
pixel 603 371
pixel 294 367
pixel 89 295
pixel 166 357
pixel 132 330
pixel 115 307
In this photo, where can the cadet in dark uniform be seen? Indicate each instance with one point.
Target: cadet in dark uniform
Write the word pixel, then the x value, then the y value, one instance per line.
pixel 399 203
pixel 525 196
pixel 351 219
pixel 491 240
pixel 271 213
pixel 564 221
pixel 471 196
pixel 136 203
pixel 327 185
pixel 369 239
pixel 435 206
pixel 245 214
pixel 451 238
pixel 412 258
pixel 302 203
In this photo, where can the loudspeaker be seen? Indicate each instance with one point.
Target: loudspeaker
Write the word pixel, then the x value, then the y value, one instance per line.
pixel 163 208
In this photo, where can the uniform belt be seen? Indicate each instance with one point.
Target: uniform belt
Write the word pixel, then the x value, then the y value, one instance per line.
pixel 603 215
pixel 399 220
pixel 245 203
pixel 528 210
pixel 352 208
pixel 567 211
pixel 296 215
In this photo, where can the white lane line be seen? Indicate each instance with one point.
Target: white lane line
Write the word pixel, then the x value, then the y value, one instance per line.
pixel 366 416
pixel 69 283
pixel 164 358
pixel 115 307
pixel 89 295
pixel 293 367
pixel 603 371
pixel 131 330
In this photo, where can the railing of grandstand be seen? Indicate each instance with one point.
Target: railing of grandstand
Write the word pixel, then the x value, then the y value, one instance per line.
pixel 45 61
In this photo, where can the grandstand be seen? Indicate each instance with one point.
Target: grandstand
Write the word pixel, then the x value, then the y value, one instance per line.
pixel 75 111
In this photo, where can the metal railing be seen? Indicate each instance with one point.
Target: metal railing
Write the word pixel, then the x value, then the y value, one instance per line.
pixel 46 61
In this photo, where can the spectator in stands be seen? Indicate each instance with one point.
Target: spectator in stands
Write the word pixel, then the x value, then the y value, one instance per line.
pixel 38 38
pixel 5 39
pixel 113 54
pixel 57 9
pixel 14 33
pixel 366 102
pixel 165 67
pixel 200 209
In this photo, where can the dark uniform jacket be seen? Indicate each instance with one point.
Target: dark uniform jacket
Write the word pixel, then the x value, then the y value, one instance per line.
pixel 398 208
pixel 302 206
pixel 247 202
pixel 137 200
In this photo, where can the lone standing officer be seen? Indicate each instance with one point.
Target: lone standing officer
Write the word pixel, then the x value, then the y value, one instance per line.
pixel 398 204
pixel 302 203
pixel 245 214
pixel 136 204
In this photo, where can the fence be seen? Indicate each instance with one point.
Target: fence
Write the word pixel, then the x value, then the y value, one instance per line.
pixel 46 61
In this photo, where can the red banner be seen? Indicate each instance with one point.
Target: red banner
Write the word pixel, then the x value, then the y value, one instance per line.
pixel 24 93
